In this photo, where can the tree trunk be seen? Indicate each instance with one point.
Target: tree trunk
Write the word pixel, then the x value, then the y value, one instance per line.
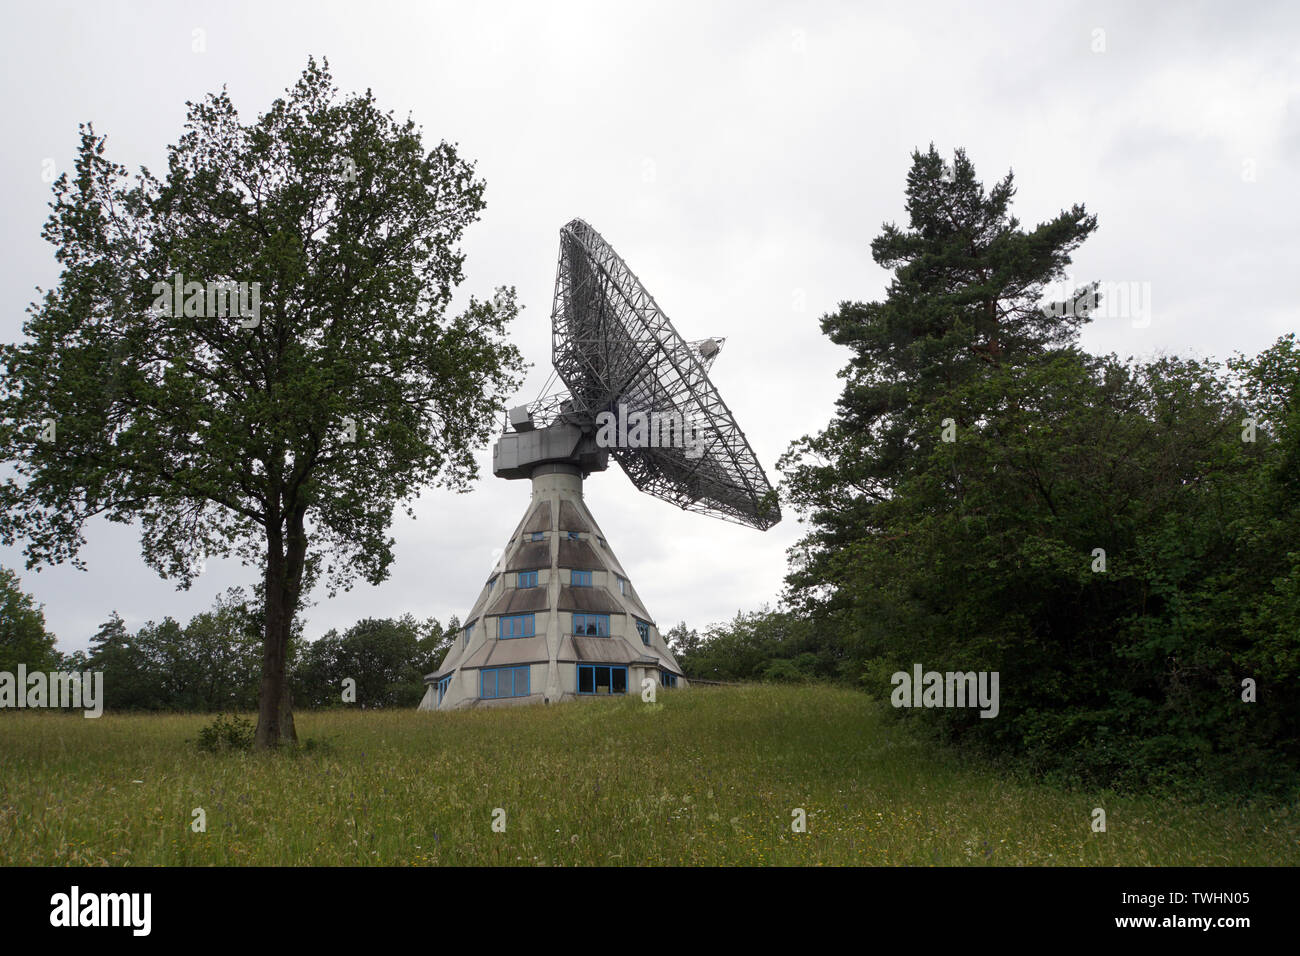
pixel 284 569
pixel 274 716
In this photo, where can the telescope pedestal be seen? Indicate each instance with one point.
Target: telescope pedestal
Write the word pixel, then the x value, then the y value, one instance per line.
pixel 558 618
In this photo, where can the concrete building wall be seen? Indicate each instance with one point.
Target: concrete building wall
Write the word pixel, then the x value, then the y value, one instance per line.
pixel 556 508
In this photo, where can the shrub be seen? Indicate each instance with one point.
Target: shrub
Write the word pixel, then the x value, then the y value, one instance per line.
pixel 227 732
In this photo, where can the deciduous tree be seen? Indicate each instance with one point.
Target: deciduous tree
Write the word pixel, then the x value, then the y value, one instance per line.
pixel 288 432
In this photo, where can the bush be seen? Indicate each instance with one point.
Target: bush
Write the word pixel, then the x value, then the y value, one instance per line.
pixel 227 733
pixel 786 671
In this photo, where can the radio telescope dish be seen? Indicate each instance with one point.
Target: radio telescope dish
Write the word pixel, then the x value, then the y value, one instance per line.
pixel 559 617
pixel 612 345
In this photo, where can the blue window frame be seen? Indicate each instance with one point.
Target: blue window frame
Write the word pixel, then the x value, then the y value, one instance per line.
pixel 468 631
pixel 573 536
pixel 591 625
pixel 601 679
pixel 528 579
pixel 580 579
pixel 643 629
pixel 537 536
pixel 442 687
pixel 667 679
pixel 516 625
pixel 503 682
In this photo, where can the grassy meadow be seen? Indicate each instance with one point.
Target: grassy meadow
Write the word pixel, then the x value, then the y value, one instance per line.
pixel 704 776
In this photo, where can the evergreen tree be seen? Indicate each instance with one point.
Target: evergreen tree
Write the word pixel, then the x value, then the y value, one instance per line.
pixel 133 678
pixel 1098 532
pixel 965 303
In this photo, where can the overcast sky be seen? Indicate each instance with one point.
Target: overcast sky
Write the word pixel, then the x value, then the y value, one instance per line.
pixel 740 157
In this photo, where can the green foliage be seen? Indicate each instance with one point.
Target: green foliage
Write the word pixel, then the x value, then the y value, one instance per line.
pixel 23 638
pixel 213 663
pixel 227 732
pixel 964 301
pixel 681 640
pixel 791 671
pixel 386 658
pixel 131 678
pixel 981 553
pixel 287 437
pixel 760 645
pixel 209 432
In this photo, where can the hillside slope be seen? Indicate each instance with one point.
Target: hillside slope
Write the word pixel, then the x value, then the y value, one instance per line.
pixel 704 776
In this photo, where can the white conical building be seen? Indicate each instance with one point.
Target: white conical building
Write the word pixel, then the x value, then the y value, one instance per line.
pixel 559 617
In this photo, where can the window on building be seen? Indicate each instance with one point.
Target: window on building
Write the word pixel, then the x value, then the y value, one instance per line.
pixel 537 536
pixel 667 679
pixel 527 579
pixel 468 631
pixel 442 687
pixel 515 625
pixel 580 579
pixel 622 585
pixel 503 682
pixel 573 536
pixel 601 679
pixel 643 629
pixel 591 625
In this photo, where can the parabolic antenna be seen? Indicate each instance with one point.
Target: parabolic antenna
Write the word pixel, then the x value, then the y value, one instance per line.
pixel 558 616
pixel 613 346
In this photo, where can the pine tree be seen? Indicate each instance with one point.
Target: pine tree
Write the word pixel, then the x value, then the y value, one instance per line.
pixel 964 307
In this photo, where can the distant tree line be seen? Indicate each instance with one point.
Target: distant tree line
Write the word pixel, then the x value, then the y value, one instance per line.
pixel 386 657
pixel 214 663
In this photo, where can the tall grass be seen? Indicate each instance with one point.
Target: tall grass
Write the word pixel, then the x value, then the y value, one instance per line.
pixel 704 776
